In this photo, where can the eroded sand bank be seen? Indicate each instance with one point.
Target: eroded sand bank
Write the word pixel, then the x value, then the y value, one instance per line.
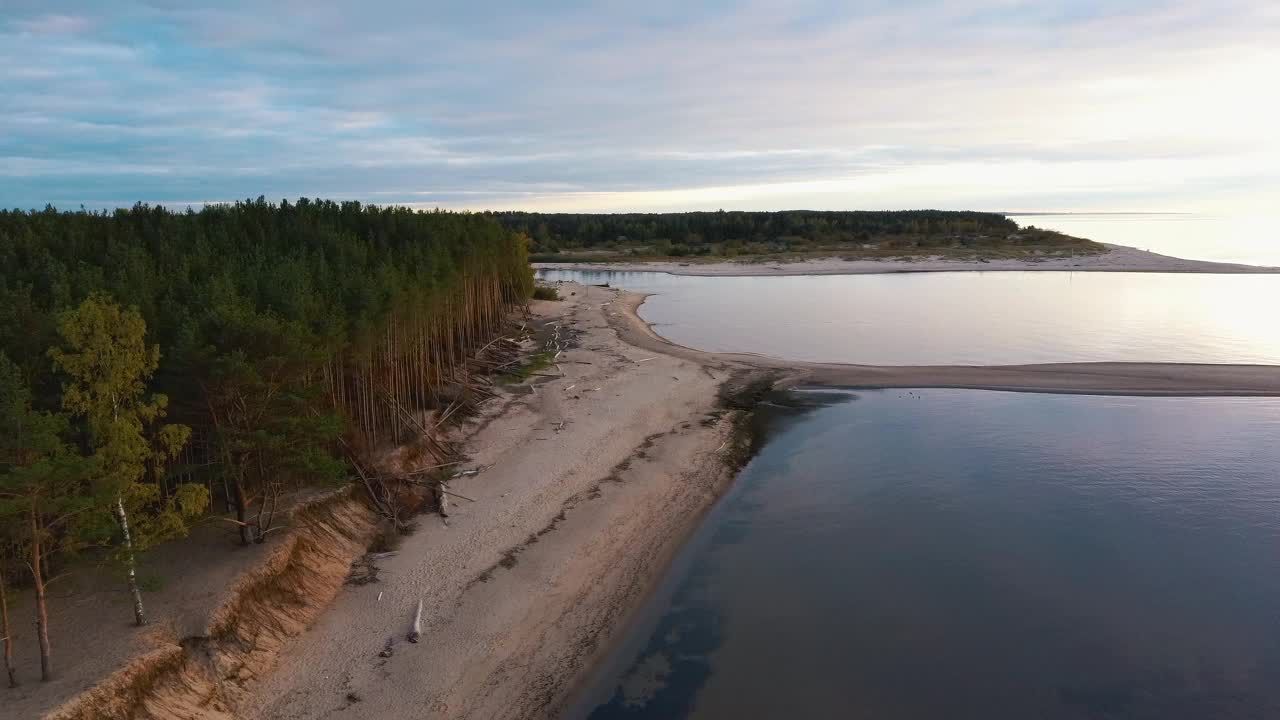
pixel 591 481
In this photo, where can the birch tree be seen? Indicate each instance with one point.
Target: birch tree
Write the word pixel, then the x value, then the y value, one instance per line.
pixel 107 363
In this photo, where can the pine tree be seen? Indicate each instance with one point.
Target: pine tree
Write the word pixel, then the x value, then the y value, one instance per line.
pixel 283 328
pixel 6 631
pixel 41 491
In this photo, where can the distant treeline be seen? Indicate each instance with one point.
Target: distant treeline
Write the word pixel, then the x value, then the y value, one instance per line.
pixel 152 361
pixel 731 233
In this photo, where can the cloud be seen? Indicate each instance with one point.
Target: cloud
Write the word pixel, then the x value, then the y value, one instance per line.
pixel 54 25
pixel 988 103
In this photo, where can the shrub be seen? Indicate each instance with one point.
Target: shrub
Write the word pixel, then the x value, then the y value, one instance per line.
pixel 545 292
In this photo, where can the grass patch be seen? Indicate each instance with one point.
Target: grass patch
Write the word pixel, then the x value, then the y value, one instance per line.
pixel 545 292
pixel 537 362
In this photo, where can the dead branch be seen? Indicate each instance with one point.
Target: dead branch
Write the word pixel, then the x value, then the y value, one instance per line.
pixel 450 492
pixel 425 470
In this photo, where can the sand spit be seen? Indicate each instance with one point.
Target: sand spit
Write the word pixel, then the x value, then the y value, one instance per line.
pixel 1101 378
pixel 1120 258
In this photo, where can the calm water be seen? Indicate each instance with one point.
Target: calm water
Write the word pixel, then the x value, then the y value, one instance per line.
pixel 966 317
pixel 1253 240
pixel 968 554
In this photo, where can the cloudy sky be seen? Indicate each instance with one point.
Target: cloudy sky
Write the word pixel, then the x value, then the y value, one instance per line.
pixel 653 105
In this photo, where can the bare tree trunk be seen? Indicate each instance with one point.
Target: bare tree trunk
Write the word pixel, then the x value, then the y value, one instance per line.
pixel 7 631
pixel 442 498
pixel 42 610
pixel 131 570
pixel 271 490
pixel 242 514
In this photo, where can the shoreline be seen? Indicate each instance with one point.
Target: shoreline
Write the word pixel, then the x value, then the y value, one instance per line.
pixel 528 587
pixel 1119 258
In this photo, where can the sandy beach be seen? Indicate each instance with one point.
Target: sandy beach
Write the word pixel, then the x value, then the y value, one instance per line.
pixel 1120 258
pixel 590 481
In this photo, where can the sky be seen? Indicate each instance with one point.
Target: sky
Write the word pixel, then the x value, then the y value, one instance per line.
pixel 1080 105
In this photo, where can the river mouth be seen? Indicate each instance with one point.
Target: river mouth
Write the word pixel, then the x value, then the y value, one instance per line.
pixel 975 554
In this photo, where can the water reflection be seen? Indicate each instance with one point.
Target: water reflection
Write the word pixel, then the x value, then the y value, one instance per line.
pixel 1248 239
pixel 966 554
pixel 966 318
pixel 673 666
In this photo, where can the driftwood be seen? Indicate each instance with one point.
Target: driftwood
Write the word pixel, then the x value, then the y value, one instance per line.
pixel 439 488
pixel 464 497
pixel 416 632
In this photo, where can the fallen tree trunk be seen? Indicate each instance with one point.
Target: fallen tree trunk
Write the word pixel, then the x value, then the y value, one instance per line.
pixel 416 631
